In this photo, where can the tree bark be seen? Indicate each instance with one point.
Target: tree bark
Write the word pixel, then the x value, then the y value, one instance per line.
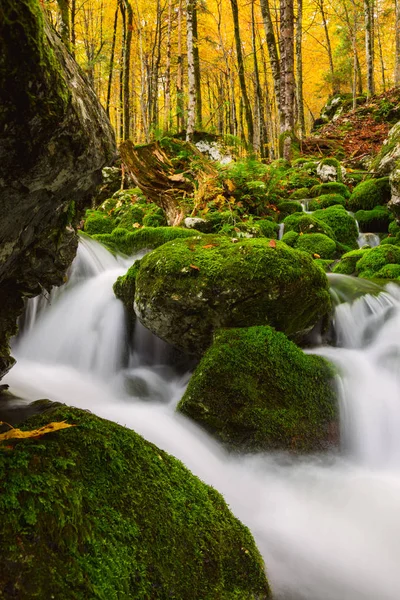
pixel 287 77
pixel 369 45
pixel 272 51
pixel 197 70
pixel 328 45
pixel 299 67
pixel 64 21
pixel 397 55
pixel 260 138
pixel 241 72
pixel 167 104
pixel 127 69
pixel 179 77
pixel 112 58
pixel 191 116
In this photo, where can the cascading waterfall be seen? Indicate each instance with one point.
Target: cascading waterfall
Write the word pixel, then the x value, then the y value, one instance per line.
pixel 328 527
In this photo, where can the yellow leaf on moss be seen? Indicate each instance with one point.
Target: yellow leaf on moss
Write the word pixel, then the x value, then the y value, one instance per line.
pixel 35 433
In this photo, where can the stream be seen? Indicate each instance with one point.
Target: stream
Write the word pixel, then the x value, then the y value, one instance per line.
pixel 328 526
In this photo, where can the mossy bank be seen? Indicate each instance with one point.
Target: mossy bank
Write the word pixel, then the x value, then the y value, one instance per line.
pixel 96 512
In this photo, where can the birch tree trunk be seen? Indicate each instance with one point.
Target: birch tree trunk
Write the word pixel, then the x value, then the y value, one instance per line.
pixel 299 67
pixel 272 51
pixel 191 116
pixel 197 71
pixel 241 72
pixel 167 104
pixel 287 77
pixel 260 140
pixel 369 45
pixel 179 76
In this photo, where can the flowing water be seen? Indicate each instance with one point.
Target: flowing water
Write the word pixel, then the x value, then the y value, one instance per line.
pixel 328 527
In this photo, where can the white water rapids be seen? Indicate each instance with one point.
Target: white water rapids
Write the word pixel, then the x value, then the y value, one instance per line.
pixel 328 527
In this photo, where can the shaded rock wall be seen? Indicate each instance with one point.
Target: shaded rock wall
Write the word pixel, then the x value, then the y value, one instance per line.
pixel 54 140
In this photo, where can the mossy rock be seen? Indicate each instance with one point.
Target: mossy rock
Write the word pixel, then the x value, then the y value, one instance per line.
pixel 189 288
pixel 98 222
pixel 342 224
pixel 298 179
pixel 129 242
pixel 375 259
pixel 290 238
pixel 325 201
pixel 325 264
pixel 332 187
pixel 95 511
pixel 347 264
pixel 316 244
pixel 330 170
pixel 304 223
pixel 376 220
pixel 389 272
pixel 300 194
pixel 256 390
pixel 287 208
pixel 370 193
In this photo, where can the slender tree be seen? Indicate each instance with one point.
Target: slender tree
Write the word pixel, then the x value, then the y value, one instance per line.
pixel 241 72
pixel 191 118
pixel 397 55
pixel 369 45
pixel 287 77
pixel 112 59
pixel 272 51
pixel 321 7
pixel 299 68
pixel 197 69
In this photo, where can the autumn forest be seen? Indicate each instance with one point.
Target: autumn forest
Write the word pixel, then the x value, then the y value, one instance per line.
pixel 251 69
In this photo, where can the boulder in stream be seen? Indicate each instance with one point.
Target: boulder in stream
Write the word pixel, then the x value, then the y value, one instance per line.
pixel 256 390
pixel 188 288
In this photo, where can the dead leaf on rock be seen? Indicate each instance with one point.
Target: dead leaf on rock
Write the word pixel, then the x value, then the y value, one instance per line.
pixel 35 433
pixel 194 267
pixel 272 244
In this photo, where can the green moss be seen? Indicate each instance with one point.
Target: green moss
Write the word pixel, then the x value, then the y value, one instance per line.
pixel 371 263
pixel 332 187
pixel 129 242
pixel 316 243
pixel 290 238
pixel 31 80
pixel 370 193
pixel 376 220
pixel 95 511
pixel 347 264
pixel 188 288
pixel 394 228
pixel 300 194
pixel 325 201
pixel 256 390
pixel 389 272
pixel 287 208
pixel 298 179
pixel 326 265
pixel 125 286
pixel 342 224
pixel 303 223
pixel 97 222
pixel 155 218
pixel 267 228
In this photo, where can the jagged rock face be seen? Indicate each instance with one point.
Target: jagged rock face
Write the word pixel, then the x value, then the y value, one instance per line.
pixel 54 140
pixel 388 163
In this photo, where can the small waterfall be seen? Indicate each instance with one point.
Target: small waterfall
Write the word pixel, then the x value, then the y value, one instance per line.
pixel 328 527
pixel 281 230
pixel 368 239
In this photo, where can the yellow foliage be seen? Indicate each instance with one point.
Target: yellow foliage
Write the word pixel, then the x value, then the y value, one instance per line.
pixel 35 433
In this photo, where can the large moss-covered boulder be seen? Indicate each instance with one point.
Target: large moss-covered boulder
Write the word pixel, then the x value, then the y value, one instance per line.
pixel 382 262
pixel 342 224
pixel 325 201
pixel 95 511
pixel 370 193
pixel 187 289
pixel 54 140
pixel 130 242
pixel 305 223
pixel 256 390
pixel 376 220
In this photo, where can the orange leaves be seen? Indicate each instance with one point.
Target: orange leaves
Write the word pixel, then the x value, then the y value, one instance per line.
pixel 272 244
pixel 210 246
pixel 35 433
pixel 194 267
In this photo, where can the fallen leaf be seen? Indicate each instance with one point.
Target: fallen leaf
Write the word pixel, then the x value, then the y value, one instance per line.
pixel 35 433
pixel 272 244
pixel 194 267
pixel 316 255
pixel 210 246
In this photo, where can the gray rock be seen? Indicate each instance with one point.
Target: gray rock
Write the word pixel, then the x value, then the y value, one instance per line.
pixel 197 224
pixel 54 140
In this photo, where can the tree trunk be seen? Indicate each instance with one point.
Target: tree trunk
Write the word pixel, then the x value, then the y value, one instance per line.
pixel 241 72
pixel 369 45
pixel 167 104
pixel 272 51
pixel 197 71
pixel 328 45
pixel 179 77
pixel 127 69
pixel 112 58
pixel 287 77
pixel 299 65
pixel 73 30
pixel 260 140
pixel 191 116
pixel 397 55
pixel 381 60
